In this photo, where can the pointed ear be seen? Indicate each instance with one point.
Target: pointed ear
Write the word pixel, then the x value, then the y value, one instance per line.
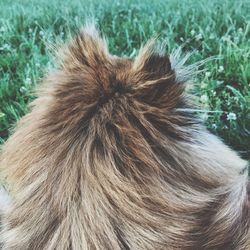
pixel 151 62
pixel 87 49
pixel 154 79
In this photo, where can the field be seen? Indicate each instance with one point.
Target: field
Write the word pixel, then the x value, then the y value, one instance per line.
pixel 217 30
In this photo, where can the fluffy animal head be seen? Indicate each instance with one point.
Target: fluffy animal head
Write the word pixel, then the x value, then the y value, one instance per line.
pixel 109 158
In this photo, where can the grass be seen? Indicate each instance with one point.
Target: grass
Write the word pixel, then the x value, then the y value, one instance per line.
pixel 206 28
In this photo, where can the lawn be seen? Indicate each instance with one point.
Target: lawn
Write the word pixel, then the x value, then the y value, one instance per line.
pixel 219 30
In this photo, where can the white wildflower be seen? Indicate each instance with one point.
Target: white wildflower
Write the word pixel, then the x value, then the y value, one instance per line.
pixel 192 32
pixel 208 74
pixel 213 92
pixel 221 69
pixel 214 126
pixel 5 47
pixel 204 116
pixel 41 33
pixel 28 81
pixel 240 30
pixel 204 98
pixel 23 89
pixel 226 38
pixel 236 39
pixel 198 37
pixel 219 82
pixel 203 85
pixel 231 116
pixel 212 36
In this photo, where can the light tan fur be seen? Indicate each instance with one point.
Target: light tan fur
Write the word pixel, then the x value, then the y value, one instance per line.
pixel 108 158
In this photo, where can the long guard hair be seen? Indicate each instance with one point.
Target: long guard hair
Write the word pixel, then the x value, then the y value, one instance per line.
pixel 108 159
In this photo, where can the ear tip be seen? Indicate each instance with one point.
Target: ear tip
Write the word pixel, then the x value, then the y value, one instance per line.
pixel 153 60
pixel 90 29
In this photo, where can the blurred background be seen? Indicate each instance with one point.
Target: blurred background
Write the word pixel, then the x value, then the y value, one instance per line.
pixel 217 29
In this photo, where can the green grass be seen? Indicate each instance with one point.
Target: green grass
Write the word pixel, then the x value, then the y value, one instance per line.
pixel 206 28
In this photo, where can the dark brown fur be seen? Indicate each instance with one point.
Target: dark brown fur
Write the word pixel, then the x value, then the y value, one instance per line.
pixel 109 158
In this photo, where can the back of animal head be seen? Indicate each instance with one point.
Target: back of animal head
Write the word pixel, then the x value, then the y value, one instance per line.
pixel 108 136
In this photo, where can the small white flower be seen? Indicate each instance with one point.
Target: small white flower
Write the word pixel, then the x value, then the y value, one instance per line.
pixel 212 36
pixel 28 81
pixel 2 114
pixel 214 126
pixel 207 74
pixel 221 69
pixel 231 116
pixel 41 33
pixel 204 98
pixel 30 30
pixel 5 47
pixel 23 89
pixel 236 39
pixel 204 116
pixel 192 32
pixel 240 30
pixel 203 85
pixel 226 38
pixel 198 37
pixel 219 82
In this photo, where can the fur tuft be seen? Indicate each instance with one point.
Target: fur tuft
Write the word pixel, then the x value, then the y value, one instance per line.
pixel 106 159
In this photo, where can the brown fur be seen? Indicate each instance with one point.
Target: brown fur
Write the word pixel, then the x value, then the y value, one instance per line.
pixel 108 158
